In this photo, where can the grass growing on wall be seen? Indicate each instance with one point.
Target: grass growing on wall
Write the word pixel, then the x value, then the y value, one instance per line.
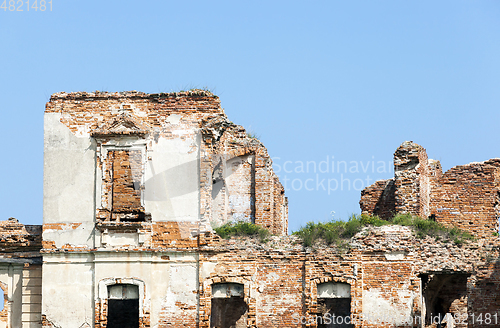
pixel 242 229
pixel 339 232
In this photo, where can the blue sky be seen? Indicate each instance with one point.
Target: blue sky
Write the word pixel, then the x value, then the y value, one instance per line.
pixel 322 81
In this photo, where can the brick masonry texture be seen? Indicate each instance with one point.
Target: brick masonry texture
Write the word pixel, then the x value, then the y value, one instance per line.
pixel 226 147
pixel 177 263
pixel 466 196
pixel 382 265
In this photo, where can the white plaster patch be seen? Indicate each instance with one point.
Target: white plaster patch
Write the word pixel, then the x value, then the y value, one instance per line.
pixel 83 131
pixel 182 287
pixel 139 112
pixel 273 277
pixel 378 309
pixel 395 256
pixel 207 268
pixel 122 239
pixel 173 119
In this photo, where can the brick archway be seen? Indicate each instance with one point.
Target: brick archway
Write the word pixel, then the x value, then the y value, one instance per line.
pixel 101 303
pixel 206 299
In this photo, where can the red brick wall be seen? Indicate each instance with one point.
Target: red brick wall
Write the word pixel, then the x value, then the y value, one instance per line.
pixel 467 197
pixel 16 237
pixel 379 199
pixel 199 111
pixel 127 171
pixel 411 179
pixel 484 293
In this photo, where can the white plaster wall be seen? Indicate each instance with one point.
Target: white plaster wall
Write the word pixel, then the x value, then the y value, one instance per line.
pixel 183 277
pixel 14 293
pixel 238 178
pixel 397 310
pixel 169 280
pixel 158 294
pixel 67 289
pixel 32 296
pixel 69 169
pixel 172 187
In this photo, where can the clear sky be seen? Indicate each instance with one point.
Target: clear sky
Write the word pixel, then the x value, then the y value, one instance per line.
pixel 318 81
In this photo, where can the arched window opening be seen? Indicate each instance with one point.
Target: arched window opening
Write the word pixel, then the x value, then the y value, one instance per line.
pixel 445 296
pixel 123 306
pixel 229 309
pixel 334 305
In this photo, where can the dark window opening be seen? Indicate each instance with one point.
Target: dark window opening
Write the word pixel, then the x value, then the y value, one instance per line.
pixel 445 294
pixel 229 309
pixel 123 306
pixel 334 305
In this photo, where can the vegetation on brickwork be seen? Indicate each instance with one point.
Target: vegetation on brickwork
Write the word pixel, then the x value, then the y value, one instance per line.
pixel 339 232
pixel 427 227
pixel 229 230
pixel 334 232
pixel 252 135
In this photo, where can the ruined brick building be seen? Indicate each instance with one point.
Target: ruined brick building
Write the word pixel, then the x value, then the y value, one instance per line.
pixel 467 196
pixel 134 183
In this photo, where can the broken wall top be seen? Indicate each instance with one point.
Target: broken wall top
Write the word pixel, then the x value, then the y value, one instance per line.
pixel 185 99
pixel 17 237
pixel 465 196
pixel 160 165
pixel 387 243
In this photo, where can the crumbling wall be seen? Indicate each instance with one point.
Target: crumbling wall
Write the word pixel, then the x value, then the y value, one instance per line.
pixel 389 291
pixel 411 179
pixel 160 170
pixel 409 190
pixel 20 240
pixel 379 199
pixel 383 266
pixel 255 189
pixel 466 197
pixel 445 293
pixel 484 292
pixel 20 273
pixel 177 152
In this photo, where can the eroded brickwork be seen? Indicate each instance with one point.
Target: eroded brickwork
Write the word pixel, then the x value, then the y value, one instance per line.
pixel 236 182
pixel 466 197
pixel 384 267
pixel 391 274
pixel 18 239
pixel 143 233
pixel 411 179
pixel 126 179
pixel 379 199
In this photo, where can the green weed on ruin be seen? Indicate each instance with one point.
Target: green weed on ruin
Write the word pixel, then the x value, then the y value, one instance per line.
pixel 338 232
pixel 229 230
